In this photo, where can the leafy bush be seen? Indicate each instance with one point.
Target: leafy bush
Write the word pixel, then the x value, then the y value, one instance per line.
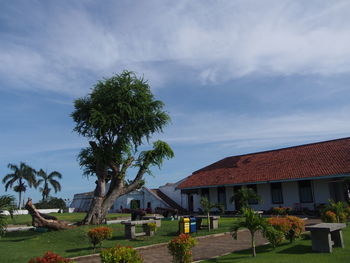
pixel 338 208
pixel 290 226
pixel 51 203
pixel 329 217
pixel 98 234
pixel 347 212
pixel 274 236
pixel 120 254
pixel 281 210
pixel 180 248
pixel 152 227
pixel 50 257
pixel 7 202
pixel 343 217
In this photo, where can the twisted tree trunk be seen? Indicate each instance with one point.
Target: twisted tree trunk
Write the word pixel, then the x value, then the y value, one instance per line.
pixel 43 220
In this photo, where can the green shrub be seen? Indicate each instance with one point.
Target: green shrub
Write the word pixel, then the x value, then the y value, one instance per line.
pixel 328 216
pixel 98 234
pixel 274 236
pixel 50 257
pixel 338 208
pixel 120 254
pixel 180 248
pixel 51 203
pixel 152 227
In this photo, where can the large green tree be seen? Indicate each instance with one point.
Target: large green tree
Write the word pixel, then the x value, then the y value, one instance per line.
pixel 46 180
pixel 118 116
pixel 21 174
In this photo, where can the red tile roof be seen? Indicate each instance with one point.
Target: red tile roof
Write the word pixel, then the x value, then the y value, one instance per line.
pixel 298 162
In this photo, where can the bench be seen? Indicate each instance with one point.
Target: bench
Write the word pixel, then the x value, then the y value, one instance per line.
pixel 214 221
pixel 130 228
pixel 325 235
pixel 157 218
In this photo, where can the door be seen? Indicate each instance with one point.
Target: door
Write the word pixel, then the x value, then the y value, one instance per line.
pixel 190 202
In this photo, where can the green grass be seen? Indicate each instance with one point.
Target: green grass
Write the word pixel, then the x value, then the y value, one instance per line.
pixel 71 217
pixel 21 246
pixel 299 251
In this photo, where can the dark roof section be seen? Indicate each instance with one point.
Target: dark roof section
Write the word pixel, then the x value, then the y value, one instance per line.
pixel 305 161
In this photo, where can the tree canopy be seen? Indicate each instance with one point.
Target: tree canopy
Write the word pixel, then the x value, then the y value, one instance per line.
pixel 119 115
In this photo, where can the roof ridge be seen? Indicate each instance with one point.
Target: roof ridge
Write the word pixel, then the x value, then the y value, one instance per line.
pixel 272 150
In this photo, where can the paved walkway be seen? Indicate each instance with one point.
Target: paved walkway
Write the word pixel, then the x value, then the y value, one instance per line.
pixel 207 247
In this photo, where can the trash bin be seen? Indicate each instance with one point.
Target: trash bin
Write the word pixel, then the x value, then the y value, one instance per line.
pixel 193 225
pixel 184 225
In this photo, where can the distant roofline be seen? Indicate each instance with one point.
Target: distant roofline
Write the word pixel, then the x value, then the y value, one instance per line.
pixel 272 150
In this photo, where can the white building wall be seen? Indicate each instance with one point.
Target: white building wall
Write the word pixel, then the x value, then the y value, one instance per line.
pixel 290 191
pixel 229 194
pixel 171 191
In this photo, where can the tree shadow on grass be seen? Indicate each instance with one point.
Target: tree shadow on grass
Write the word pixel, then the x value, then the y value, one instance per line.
pixel 297 249
pixel 20 236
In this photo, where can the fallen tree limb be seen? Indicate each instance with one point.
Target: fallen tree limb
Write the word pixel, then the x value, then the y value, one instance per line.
pixel 43 220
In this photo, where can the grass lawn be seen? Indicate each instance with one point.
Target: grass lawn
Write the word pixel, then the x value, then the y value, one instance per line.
pixel 72 217
pixel 299 251
pixel 22 246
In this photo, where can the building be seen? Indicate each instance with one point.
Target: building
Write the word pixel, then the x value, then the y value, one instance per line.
pixel 300 177
pixel 164 197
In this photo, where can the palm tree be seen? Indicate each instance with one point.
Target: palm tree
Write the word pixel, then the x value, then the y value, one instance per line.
pixel 253 221
pixel 6 204
pixel 46 180
pixel 207 206
pixel 21 174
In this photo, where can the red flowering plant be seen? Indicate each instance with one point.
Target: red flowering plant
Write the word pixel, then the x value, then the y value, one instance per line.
pixel 98 234
pixel 180 248
pixel 291 226
pixel 50 257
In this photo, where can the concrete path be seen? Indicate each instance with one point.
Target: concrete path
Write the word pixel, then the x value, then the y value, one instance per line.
pixel 207 247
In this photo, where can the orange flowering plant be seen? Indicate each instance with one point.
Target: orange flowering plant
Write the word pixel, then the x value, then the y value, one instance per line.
pixel 50 257
pixel 98 234
pixel 291 226
pixel 180 248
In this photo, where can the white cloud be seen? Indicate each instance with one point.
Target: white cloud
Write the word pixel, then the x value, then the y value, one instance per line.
pixel 218 41
pixel 228 130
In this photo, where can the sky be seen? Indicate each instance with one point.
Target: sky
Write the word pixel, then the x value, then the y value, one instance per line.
pixel 236 77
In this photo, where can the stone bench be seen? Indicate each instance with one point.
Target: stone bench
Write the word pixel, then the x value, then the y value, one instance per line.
pixel 130 228
pixel 157 218
pixel 325 235
pixel 214 221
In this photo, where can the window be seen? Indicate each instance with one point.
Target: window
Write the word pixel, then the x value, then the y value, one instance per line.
pixel 222 196
pixel 253 201
pixel 276 193
pixel 305 192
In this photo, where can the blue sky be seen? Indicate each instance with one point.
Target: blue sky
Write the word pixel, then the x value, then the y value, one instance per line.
pixel 236 76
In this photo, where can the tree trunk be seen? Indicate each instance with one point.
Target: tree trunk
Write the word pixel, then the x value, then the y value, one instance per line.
pixel 43 220
pixel 19 201
pixel 208 220
pixel 253 244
